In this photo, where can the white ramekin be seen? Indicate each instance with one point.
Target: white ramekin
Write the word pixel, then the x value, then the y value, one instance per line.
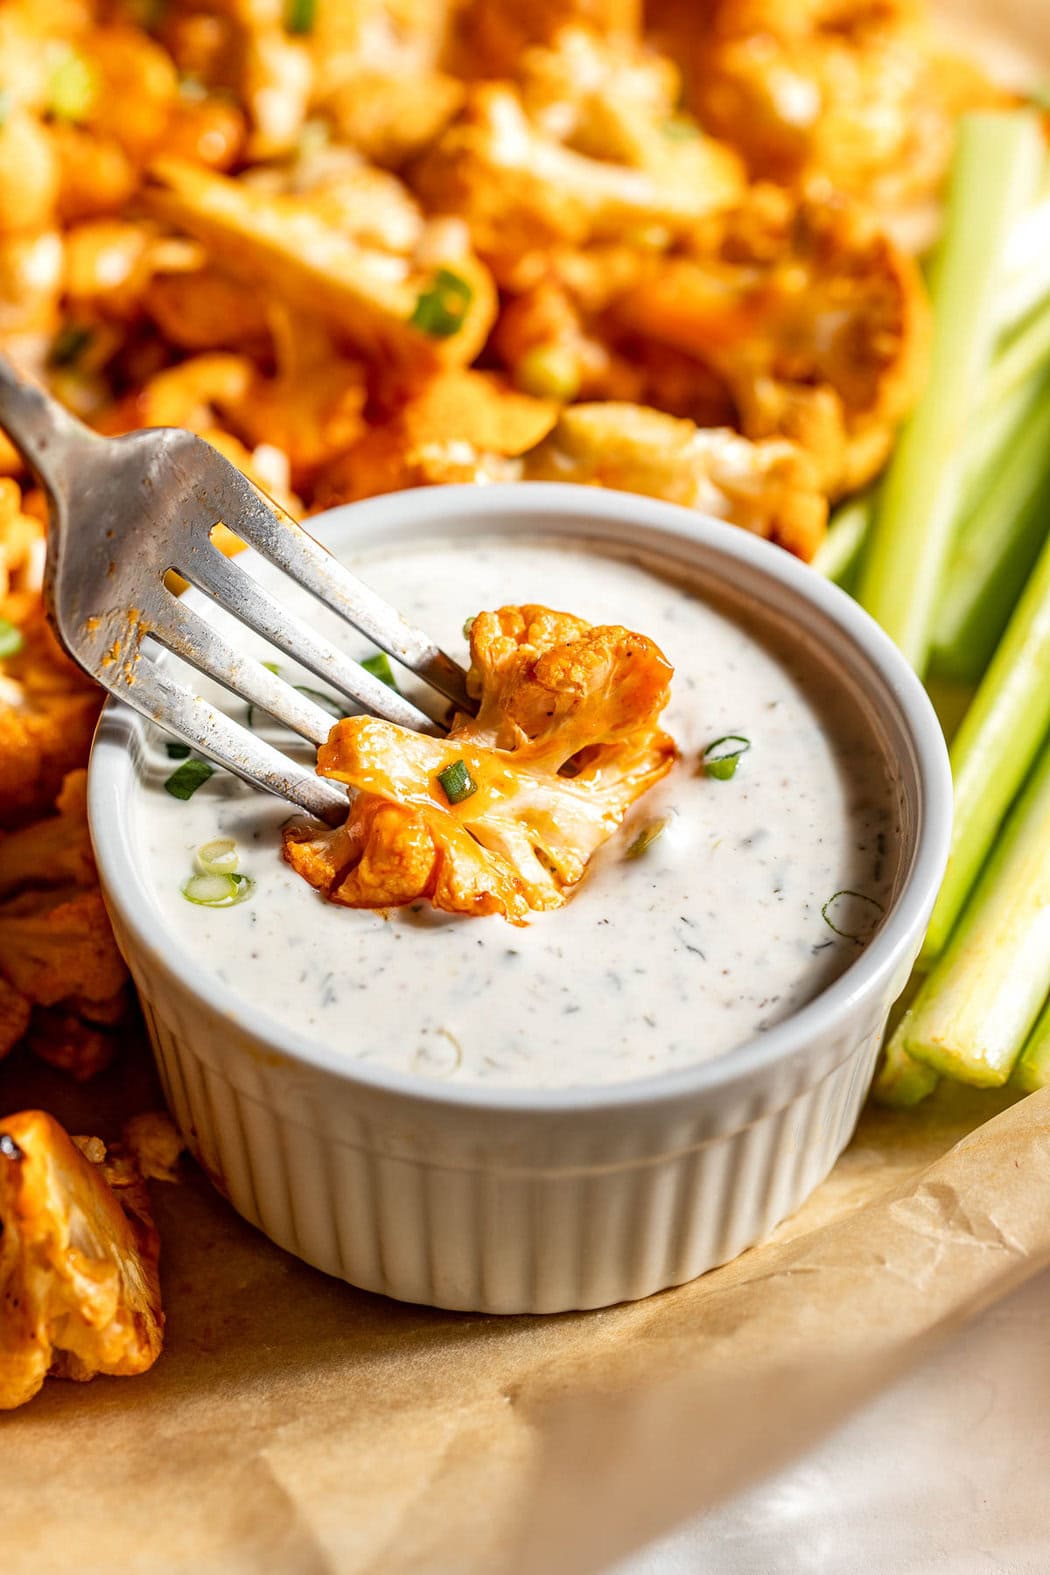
pixel 514 1201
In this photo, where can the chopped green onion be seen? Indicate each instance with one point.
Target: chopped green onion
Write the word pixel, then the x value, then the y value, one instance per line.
pixel 441 308
pixel 468 624
pixel 646 837
pixel 72 88
pixel 327 703
pixel 981 1000
pixel 679 129
pixel 177 751
pixel 549 372
pixel 272 667
pixel 69 345
pixel 995 747
pixel 457 782
pixel 218 857
pixel 218 891
pixel 191 775
pixel 994 176
pixel 852 915
pixel 300 16
pixel 721 758
pixel 379 667
pixel 11 641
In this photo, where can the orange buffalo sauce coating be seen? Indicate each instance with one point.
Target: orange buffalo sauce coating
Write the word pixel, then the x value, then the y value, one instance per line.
pixel 566 738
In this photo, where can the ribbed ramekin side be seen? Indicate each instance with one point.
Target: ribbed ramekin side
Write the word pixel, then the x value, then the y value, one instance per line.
pixel 566 1234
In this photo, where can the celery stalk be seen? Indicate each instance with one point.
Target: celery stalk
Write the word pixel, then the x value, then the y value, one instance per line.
pixel 1033 1069
pixel 902 1081
pixel 838 555
pixel 995 173
pixel 994 748
pixel 1026 265
pixel 997 543
pixel 976 1008
pixel 1021 354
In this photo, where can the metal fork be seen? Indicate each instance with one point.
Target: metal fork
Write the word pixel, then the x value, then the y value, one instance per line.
pixel 123 512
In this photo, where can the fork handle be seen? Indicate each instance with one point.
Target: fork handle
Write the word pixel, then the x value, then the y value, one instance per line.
pixel 42 430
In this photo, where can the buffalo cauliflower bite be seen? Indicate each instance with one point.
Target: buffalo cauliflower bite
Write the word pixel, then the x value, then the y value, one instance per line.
pixel 48 711
pixel 79 1290
pixel 769 488
pixel 565 739
pixel 815 320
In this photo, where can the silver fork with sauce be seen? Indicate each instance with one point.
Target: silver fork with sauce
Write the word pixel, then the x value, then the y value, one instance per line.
pixel 123 513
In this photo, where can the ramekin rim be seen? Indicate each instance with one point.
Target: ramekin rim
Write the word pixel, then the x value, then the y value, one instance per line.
pixel 896 940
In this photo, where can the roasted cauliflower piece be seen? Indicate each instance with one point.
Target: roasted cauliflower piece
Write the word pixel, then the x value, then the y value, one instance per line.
pixel 522 190
pixel 458 420
pixel 815 320
pixel 853 90
pixel 769 488
pixel 79 1291
pixel 51 852
pixel 54 945
pixel 425 314
pixel 48 711
pixel 493 33
pixel 503 815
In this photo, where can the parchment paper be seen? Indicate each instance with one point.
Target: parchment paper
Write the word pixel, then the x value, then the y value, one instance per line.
pixel 293 1424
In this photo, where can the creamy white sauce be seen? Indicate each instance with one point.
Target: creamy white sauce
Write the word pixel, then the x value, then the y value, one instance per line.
pixel 656 962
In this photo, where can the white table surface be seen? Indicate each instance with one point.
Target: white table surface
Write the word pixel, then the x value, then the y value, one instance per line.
pixel 946 1473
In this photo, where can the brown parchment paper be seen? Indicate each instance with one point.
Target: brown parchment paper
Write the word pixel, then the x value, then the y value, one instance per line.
pixel 294 1424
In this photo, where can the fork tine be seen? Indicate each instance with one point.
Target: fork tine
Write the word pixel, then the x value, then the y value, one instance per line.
pixel 242 597
pixel 197 641
pixel 150 690
pixel 274 534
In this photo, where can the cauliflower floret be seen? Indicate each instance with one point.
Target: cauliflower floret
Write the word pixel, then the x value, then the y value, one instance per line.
pixel 461 419
pixel 854 90
pixel 79 1292
pixel 154 1143
pixel 48 711
pixel 495 32
pixel 565 739
pixel 520 189
pixel 54 945
pixel 424 313
pixel 815 320
pixel 51 852
pixel 769 487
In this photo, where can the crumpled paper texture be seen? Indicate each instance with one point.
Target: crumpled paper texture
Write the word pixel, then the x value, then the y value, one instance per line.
pixel 294 1424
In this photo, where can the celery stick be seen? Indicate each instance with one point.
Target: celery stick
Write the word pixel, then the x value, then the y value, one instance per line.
pixel 997 544
pixel 974 1011
pixel 1033 1069
pixel 994 176
pixel 994 428
pixel 994 748
pixel 902 1081
pixel 1026 265
pixel 1022 353
pixel 838 555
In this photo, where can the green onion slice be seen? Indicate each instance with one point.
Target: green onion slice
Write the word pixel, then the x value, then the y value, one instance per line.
pixel 379 666
pixel 69 345
pixel 852 915
pixel 72 88
pixel 11 641
pixel 218 891
pixel 299 16
pixel 678 128
pixel 468 624
pixel 218 857
pixel 721 758
pixel 646 837
pixel 441 308
pixel 457 782
pixel 177 751
pixel 191 775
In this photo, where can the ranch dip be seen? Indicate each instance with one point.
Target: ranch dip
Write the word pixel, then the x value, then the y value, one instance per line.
pixel 760 889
